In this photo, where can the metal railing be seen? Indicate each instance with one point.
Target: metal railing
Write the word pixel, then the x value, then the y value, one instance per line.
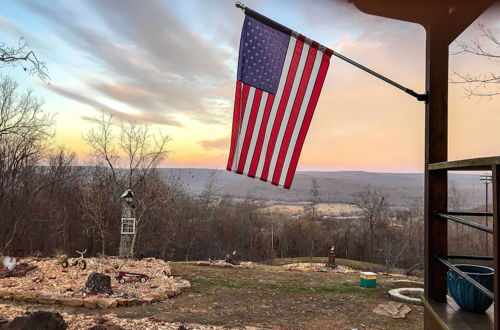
pixel 464 222
pixel 454 256
pixel 466 277
pixel 453 216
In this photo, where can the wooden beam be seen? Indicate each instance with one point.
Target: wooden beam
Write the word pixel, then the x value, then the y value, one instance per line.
pixel 473 164
pixel 460 13
pixel 436 150
pixel 410 11
pixel 463 14
pixel 496 243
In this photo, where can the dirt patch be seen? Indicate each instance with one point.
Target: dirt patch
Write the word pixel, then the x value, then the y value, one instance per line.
pixel 50 278
pixel 270 296
pixel 318 267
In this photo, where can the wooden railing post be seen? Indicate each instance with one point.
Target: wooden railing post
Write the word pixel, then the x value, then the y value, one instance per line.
pixel 496 243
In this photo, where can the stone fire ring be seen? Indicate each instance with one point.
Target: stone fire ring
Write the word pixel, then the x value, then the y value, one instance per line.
pixel 89 302
pixel 407 295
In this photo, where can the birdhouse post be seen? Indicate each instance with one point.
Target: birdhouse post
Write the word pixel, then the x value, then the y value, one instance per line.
pixel 127 226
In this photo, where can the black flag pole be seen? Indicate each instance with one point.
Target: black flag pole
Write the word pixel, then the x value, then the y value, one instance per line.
pixel 284 29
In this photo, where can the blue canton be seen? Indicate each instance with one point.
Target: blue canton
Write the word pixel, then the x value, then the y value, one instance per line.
pixel 262 54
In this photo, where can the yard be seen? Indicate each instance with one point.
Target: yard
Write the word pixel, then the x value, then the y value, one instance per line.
pixel 270 296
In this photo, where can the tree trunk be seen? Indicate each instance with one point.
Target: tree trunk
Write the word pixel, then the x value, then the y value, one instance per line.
pixel 103 245
pixel 98 283
pixel 133 243
pixel 371 242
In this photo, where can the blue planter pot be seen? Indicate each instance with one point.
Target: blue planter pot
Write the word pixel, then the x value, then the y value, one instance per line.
pixel 466 295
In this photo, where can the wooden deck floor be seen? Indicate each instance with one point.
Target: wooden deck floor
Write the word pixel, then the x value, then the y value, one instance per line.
pixel 451 316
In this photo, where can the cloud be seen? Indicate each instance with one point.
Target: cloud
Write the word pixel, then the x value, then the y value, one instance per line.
pixel 142 46
pixel 219 144
pixel 110 111
pixel 10 27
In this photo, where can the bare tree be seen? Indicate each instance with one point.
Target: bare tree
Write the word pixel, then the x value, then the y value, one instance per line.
pixel 372 203
pixel 485 84
pixel 25 135
pixel 95 208
pixel 314 199
pixel 21 54
pixel 130 157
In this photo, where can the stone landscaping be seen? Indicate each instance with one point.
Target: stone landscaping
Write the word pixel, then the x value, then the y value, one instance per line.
pixel 224 264
pixel 49 283
pixel 407 295
pixel 318 267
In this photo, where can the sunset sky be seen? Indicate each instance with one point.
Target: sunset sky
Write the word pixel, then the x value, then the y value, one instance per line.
pixel 172 64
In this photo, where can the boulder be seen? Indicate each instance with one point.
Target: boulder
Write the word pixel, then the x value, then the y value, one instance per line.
pixel 37 320
pixel 184 285
pixel 47 299
pixel 6 294
pixel 143 301
pixel 106 303
pixel 71 301
pixel 26 296
pixel 90 302
pixel 170 293
pixel 174 291
pixel 106 326
pixel 392 309
pixel 133 302
pixel 148 300
pixel 158 296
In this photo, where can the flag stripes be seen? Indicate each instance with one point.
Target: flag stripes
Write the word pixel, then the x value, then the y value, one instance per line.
pixel 269 129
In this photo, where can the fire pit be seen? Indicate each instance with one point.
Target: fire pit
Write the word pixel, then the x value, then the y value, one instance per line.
pixel 407 295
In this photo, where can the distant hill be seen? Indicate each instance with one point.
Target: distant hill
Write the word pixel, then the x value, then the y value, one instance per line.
pixel 402 189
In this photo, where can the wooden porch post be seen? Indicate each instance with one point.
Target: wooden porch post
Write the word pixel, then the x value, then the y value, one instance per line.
pixel 436 150
pixel 496 243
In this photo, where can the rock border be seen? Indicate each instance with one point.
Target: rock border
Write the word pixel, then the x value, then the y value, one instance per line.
pixel 408 284
pixel 91 301
pixel 396 294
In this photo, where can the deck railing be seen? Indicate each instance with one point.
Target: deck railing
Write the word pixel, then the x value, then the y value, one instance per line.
pixel 442 257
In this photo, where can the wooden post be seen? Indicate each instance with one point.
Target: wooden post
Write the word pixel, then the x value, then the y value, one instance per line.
pixel 436 150
pixel 495 180
pixel 126 238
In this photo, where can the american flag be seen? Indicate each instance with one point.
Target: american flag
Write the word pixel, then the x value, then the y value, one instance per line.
pixel 280 76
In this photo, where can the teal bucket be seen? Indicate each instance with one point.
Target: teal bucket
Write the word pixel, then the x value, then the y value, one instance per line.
pixel 465 294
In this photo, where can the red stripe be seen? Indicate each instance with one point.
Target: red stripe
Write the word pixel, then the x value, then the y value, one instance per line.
pixel 239 109
pixel 260 138
pixel 311 56
pixel 249 132
pixel 281 108
pixel 325 62
pixel 234 132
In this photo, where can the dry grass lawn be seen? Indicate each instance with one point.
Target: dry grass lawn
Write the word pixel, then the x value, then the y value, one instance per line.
pixel 270 296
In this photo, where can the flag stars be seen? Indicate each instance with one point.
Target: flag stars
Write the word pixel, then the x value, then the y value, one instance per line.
pixel 265 51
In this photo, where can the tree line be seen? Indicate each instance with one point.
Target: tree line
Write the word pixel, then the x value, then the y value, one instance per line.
pixel 51 204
